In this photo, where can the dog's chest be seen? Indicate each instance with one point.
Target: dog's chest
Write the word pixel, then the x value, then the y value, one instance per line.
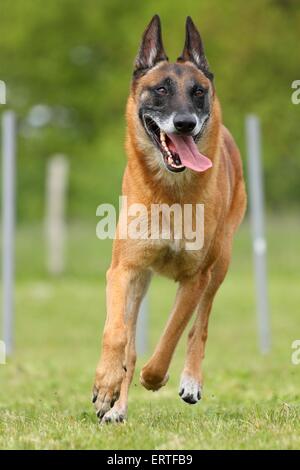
pixel 174 260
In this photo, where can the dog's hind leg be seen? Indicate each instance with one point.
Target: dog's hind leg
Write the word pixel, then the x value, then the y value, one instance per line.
pixel 191 378
pixel 154 373
pixel 136 292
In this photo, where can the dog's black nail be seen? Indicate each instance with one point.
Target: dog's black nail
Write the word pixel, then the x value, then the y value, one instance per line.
pixel 125 368
pixel 100 414
pixel 181 392
pixel 94 397
pixel 189 399
pixel 198 395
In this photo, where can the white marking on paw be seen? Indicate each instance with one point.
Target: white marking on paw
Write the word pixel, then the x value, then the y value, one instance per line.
pixel 189 390
pixel 114 415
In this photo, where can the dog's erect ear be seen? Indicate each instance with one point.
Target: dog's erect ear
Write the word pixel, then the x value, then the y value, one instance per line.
pixel 151 50
pixel 193 48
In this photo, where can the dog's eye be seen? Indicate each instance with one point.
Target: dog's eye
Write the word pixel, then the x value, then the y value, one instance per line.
pixel 199 92
pixel 161 90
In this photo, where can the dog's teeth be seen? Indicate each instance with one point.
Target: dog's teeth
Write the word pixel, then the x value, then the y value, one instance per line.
pixel 170 158
pixel 162 136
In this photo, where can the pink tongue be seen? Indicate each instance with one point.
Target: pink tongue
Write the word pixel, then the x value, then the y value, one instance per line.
pixel 188 152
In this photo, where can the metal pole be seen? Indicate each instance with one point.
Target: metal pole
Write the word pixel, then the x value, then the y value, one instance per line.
pixel 56 185
pixel 256 193
pixel 2 92
pixel 142 328
pixel 8 225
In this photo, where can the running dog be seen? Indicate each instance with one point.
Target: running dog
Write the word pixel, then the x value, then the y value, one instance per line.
pixel 179 152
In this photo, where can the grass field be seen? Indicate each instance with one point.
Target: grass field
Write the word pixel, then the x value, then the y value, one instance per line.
pixel 250 401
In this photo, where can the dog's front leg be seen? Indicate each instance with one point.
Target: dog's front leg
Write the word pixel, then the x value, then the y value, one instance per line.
pixel 154 373
pixel 191 382
pixel 111 367
pixel 137 289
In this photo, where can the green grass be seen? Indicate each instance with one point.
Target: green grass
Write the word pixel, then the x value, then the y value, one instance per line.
pixel 250 401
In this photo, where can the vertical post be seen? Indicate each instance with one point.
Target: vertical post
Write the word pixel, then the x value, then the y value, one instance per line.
pixel 142 328
pixel 256 193
pixel 2 92
pixel 56 187
pixel 8 225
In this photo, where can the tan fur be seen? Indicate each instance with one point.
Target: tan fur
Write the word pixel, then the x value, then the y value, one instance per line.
pixel 199 273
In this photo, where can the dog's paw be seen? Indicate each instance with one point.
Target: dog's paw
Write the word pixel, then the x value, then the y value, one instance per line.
pixel 152 381
pixel 189 389
pixel 115 415
pixel 106 390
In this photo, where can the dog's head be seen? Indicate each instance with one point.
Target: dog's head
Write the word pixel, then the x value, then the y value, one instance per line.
pixel 173 101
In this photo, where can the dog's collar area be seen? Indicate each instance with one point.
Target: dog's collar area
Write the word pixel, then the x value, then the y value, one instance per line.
pixel 171 159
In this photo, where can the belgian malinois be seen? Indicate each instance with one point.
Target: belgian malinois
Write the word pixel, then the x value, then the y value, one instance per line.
pixel 180 153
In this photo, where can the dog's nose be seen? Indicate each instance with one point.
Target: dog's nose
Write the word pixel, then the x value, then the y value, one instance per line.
pixel 184 123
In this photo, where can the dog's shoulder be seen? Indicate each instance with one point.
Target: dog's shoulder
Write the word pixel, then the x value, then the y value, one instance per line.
pixel 233 163
pixel 231 153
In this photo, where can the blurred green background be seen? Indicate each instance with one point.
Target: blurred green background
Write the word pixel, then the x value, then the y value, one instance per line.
pixel 68 66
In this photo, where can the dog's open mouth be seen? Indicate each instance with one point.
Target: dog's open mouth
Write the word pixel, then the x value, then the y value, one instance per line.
pixel 163 142
pixel 179 151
